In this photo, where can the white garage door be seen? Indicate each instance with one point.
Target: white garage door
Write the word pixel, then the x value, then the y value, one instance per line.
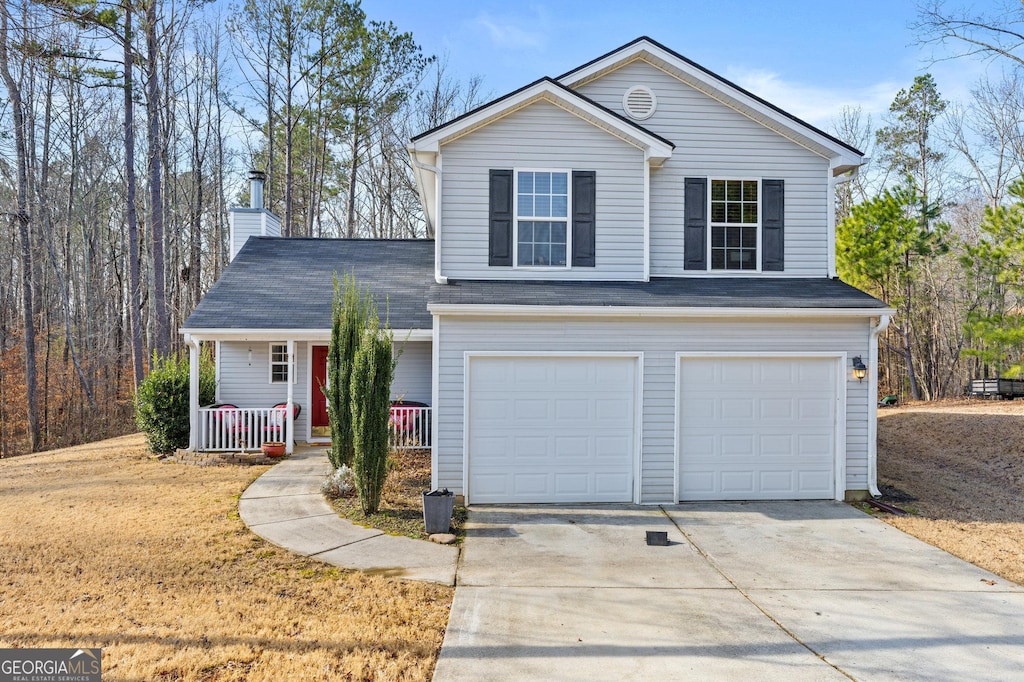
pixel 757 428
pixel 551 429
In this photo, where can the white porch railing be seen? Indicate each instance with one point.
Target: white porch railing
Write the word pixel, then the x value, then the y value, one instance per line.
pixel 410 427
pixel 246 428
pixel 234 429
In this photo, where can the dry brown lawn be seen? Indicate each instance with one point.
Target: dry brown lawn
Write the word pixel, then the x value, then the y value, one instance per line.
pixel 102 546
pixel 959 467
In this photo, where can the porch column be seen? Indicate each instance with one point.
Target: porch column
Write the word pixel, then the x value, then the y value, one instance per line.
pixel 193 392
pixel 290 418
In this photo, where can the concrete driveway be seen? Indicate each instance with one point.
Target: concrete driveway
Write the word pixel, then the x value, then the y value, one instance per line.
pixel 745 591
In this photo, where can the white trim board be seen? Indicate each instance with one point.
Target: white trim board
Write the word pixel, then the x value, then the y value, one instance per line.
pixel 657 149
pixel 497 309
pixel 282 335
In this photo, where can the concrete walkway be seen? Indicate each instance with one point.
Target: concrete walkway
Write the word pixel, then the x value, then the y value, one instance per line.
pixel 758 591
pixel 285 506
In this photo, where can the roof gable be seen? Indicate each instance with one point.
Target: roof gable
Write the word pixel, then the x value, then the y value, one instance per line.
pixel 843 156
pixel 656 148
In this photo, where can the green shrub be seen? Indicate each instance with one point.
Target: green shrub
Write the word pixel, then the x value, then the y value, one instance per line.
pixel 349 313
pixel 161 403
pixel 372 371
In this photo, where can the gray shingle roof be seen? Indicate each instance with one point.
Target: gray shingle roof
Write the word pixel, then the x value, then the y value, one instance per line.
pixel 684 292
pixel 278 283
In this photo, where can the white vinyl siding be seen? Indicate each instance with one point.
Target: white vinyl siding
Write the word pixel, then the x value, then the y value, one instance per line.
pixel 659 340
pixel 245 385
pixel 412 373
pixel 713 140
pixel 542 135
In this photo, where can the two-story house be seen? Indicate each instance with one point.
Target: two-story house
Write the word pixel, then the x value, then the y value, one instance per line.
pixel 631 297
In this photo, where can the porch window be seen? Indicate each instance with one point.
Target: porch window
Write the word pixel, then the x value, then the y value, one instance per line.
pixel 542 218
pixel 279 366
pixel 735 223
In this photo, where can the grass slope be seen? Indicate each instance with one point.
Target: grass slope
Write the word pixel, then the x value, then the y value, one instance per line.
pixel 105 547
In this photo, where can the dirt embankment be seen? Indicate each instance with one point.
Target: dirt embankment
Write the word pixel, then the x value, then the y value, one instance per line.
pixel 959 467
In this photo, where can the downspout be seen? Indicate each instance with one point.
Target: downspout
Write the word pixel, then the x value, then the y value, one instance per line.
pixel 876 330
pixel 438 277
pixel 193 392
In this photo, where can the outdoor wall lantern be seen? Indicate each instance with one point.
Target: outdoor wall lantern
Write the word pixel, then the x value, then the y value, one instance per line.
pixel 859 369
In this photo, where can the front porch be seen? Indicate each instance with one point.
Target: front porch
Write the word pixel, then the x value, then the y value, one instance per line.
pixel 269 389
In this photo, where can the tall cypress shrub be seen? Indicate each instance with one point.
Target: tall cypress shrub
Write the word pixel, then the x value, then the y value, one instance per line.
pixel 349 313
pixel 372 372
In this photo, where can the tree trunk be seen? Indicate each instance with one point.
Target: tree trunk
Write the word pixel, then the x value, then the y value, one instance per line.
pixel 350 230
pixel 47 215
pixel 156 204
pixel 21 218
pixel 134 290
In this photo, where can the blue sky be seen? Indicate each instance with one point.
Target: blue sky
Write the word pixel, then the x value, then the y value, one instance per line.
pixel 808 57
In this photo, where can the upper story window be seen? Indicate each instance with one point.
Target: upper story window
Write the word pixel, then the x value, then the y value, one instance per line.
pixel 542 218
pixel 279 365
pixel 735 224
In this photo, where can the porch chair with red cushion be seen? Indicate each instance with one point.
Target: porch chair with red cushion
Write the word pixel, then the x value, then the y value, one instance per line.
pixel 276 424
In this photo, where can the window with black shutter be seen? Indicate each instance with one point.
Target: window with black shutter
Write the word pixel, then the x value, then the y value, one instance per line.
pixel 542 218
pixel 733 224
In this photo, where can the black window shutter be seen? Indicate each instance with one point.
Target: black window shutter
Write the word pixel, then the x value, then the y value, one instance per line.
pixel 499 244
pixel 773 209
pixel 695 224
pixel 584 219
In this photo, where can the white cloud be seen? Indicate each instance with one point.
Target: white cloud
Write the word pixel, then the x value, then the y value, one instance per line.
pixel 818 105
pixel 508 33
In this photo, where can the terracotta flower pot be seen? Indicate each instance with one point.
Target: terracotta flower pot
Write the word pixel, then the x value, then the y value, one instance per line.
pixel 273 448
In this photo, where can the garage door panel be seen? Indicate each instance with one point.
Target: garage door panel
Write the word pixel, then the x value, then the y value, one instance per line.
pixel 568 448
pixel 737 482
pixel 569 409
pixel 526 484
pixel 568 435
pixel 737 445
pixel 760 428
pixel 611 448
pixel 737 373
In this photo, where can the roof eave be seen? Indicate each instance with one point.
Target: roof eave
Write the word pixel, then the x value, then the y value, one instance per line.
pixel 649 311
pixel 656 148
pixel 727 92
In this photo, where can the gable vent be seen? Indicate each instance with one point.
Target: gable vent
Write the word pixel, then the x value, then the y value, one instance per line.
pixel 639 102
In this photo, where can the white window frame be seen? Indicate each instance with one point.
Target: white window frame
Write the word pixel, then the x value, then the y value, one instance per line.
pixel 271 363
pixel 713 225
pixel 515 220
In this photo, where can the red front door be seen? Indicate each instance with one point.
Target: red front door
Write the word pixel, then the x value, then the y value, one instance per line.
pixel 321 425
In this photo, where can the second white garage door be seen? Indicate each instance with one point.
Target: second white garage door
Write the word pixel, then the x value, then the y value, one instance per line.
pixel 551 429
pixel 757 428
